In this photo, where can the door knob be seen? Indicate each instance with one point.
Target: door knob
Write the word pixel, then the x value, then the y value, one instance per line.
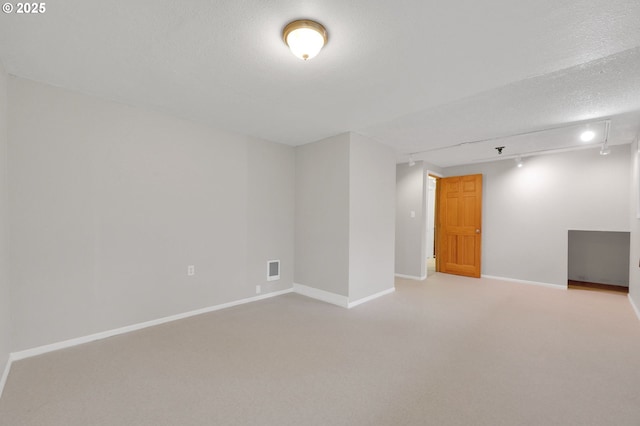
pixel 477 231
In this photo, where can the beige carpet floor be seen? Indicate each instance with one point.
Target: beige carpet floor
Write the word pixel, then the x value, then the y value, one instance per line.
pixel 445 351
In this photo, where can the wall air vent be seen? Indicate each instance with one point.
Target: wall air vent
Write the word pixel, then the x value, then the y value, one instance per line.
pixel 273 270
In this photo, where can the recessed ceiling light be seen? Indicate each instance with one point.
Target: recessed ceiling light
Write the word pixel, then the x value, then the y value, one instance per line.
pixel 587 135
pixel 305 38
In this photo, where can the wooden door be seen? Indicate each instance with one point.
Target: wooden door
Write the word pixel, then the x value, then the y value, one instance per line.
pixel 459 221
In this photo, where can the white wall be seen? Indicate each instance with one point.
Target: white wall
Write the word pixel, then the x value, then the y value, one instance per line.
pixel 372 190
pixel 634 256
pixel 528 211
pixel 322 215
pixel 109 204
pixel 5 315
pixel 410 247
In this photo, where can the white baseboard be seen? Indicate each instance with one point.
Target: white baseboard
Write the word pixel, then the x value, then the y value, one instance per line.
pixel 513 280
pixel 635 307
pixel 336 299
pixel 5 374
pixel 369 298
pixel 16 356
pixel 325 296
pixel 412 277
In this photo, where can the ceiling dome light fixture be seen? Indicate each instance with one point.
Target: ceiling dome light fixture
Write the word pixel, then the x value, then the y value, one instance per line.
pixel 519 162
pixel 587 135
pixel 305 38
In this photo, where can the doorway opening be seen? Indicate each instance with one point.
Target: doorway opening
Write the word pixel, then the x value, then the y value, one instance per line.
pixel 431 209
pixel 599 260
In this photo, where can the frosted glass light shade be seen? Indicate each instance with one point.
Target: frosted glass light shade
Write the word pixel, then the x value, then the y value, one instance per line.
pixel 305 38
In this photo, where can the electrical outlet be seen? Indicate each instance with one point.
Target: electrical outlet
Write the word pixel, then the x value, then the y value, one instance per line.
pixel 258 289
pixel 191 270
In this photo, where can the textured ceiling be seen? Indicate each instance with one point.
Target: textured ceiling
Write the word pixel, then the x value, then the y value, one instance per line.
pixel 413 74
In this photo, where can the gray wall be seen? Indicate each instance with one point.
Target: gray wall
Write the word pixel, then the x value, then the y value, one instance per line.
pixel 270 209
pixel 345 187
pixel 634 256
pixel 410 247
pixel 5 315
pixel 372 217
pixel 110 203
pixel 599 257
pixel 322 215
pixel 528 211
